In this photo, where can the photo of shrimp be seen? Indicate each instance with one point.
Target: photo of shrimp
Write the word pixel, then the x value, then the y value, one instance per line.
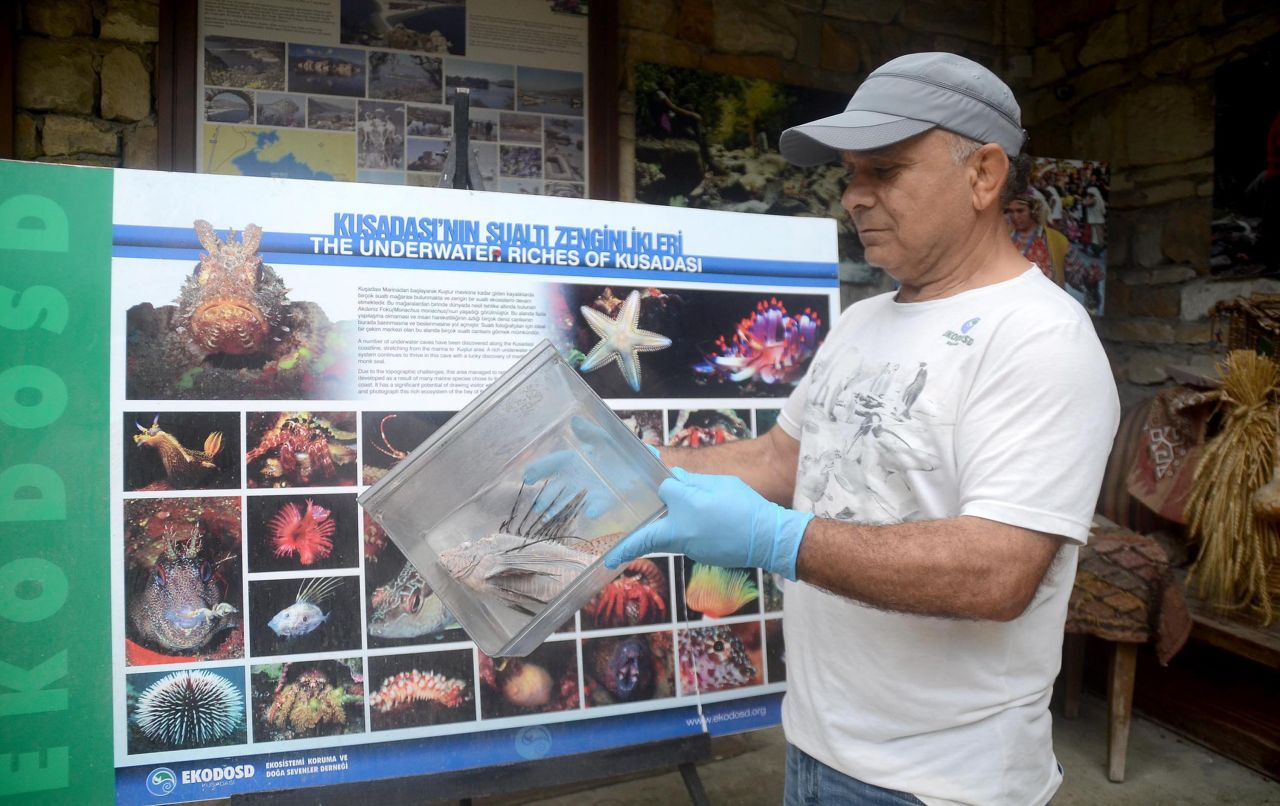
pixel 301 532
pixel 389 436
pixel 181 451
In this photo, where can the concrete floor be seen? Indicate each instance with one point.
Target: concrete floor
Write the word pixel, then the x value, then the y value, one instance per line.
pixel 1162 769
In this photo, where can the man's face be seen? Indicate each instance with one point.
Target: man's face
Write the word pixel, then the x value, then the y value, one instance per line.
pixel 910 202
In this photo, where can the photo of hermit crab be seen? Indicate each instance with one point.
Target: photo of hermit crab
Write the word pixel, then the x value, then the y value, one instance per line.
pixel 547 680
pixel 720 658
pixel 310 698
pixel 300 532
pixel 182 580
pixel 185 709
pixel 301 449
pixel 389 436
pixel 641 594
pixel 628 668
pixel 426 688
pixel 233 333
pixel 181 451
pixel 697 428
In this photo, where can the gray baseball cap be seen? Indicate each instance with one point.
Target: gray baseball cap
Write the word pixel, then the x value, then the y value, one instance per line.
pixel 909 95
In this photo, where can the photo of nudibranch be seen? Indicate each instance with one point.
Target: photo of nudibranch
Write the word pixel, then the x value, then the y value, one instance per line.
pixel 306 614
pixel 427 688
pixel 181 451
pixel 233 333
pixel 185 709
pixel 545 681
pixel 301 449
pixel 389 436
pixel 299 532
pixel 304 699
pixel 628 668
pixel 402 609
pixel 720 658
pixel 712 592
pixel 182 580
pixel 768 347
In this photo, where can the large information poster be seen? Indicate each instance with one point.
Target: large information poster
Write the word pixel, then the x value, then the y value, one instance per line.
pixel 363 90
pixel 275 346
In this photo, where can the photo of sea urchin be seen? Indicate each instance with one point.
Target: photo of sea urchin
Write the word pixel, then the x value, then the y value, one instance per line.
pixel 185 709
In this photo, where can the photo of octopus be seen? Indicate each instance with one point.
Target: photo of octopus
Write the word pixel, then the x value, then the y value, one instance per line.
pixel 181 451
pixel 645 424
pixel 775 651
pixel 719 658
pixel 698 428
pixel 305 614
pixel 389 436
pixel 185 709
pixel 233 333
pixel 708 591
pixel 628 668
pixel 641 594
pixel 425 688
pixel 402 609
pixel 545 681
pixel 301 532
pixel 182 580
pixel 302 700
pixel 301 449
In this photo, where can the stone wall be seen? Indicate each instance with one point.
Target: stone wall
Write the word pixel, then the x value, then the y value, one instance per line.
pixel 85 82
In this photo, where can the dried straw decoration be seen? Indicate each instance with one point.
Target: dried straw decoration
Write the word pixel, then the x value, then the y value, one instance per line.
pixel 1237 547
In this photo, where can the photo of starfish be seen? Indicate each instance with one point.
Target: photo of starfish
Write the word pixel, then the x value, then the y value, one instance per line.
pixel 621 340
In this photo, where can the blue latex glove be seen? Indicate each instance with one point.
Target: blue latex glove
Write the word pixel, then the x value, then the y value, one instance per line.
pixel 568 469
pixel 719 520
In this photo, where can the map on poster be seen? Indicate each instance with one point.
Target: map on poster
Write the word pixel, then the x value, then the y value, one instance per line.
pixel 363 90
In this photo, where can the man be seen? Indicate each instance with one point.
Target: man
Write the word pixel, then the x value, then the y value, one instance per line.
pixel 941 461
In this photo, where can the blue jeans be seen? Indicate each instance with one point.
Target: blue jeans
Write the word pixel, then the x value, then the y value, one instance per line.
pixel 812 783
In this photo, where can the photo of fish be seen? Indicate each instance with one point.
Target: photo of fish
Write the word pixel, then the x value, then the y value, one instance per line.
pixel 645 424
pixel 641 594
pixel 337 114
pixel 182 580
pixel 628 668
pixel 185 710
pixel 326 71
pixel 712 592
pixel 402 609
pixel 304 614
pixel 304 699
pixel 426 26
pixel 228 106
pixel 302 532
pixel 545 681
pixel 181 451
pixel 719 658
pixel 425 688
pixel 775 651
pixel 252 64
pixel 234 332
pixel 389 436
pixel 551 92
pixel 300 449
pixel 698 428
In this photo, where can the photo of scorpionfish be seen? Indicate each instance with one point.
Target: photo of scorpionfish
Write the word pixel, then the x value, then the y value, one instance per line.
pixel 181 451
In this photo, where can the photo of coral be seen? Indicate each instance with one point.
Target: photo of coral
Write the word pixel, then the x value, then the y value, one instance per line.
pixel 304 614
pixel 182 577
pixel 300 449
pixel 234 332
pixel 547 680
pixel 301 532
pixel 326 71
pixel 719 658
pixel 775 651
pixel 628 668
pixel 641 594
pixel 389 436
pixel 426 688
pixel 253 64
pixel 402 609
pixel 698 428
pixel 181 451
pixel 186 709
pixel 687 342
pixel 708 591
pixel 301 700
pixel 645 424
pixel 427 26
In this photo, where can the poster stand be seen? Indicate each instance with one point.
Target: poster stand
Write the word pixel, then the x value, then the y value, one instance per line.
pixel 461 174
pixel 463 785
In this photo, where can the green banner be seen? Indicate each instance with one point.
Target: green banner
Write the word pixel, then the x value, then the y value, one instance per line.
pixel 55 580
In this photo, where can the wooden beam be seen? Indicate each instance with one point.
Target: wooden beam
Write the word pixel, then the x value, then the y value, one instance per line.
pixel 602 99
pixel 176 88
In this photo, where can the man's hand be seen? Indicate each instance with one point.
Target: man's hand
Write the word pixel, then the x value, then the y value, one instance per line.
pixel 719 520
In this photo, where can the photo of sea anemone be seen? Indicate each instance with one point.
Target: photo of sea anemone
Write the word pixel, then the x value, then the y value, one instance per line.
pixel 301 532
pixel 389 436
pixel 181 451
pixel 768 346
pixel 713 592
pixel 185 709
pixel 628 668
pixel 300 449
pixel 719 658
pixel 775 651
pixel 300 700
pixel 698 428
pixel 303 615
pixel 545 681
pixel 425 688
pixel 182 572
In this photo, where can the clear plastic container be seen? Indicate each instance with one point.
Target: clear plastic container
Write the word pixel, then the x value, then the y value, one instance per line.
pixel 508 509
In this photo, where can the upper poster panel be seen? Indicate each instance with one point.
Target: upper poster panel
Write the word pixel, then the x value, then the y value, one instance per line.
pixel 362 90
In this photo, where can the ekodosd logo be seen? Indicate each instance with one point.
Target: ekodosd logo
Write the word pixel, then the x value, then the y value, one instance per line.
pixel 161 781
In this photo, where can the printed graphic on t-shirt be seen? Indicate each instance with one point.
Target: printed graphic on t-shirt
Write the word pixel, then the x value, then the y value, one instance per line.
pixel 867 429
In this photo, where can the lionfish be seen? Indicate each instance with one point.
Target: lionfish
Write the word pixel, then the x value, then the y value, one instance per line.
pixel 183 466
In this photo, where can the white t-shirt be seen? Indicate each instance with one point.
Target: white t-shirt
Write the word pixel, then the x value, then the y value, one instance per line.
pixel 999 403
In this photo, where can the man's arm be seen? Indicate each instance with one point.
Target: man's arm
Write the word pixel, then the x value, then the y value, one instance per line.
pixel 962 567
pixel 767 463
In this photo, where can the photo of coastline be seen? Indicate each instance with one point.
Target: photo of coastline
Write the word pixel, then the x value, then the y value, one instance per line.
pixel 252 64
pixel 426 26
pixel 228 106
pixel 491 86
pixel 551 92
pixel 331 113
pixel 279 109
pixel 404 77
pixel 326 71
